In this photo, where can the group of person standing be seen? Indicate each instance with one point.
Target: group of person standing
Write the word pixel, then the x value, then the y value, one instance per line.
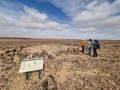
pixel 91 45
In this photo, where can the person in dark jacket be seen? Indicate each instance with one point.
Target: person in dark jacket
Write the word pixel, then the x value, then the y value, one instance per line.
pixel 95 47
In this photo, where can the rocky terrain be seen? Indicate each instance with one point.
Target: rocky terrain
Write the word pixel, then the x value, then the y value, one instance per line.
pixel 65 66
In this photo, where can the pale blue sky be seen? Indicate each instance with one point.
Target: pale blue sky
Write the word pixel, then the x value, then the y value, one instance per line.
pixel 66 19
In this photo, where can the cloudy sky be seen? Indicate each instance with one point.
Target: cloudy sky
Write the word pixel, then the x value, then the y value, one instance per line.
pixel 69 19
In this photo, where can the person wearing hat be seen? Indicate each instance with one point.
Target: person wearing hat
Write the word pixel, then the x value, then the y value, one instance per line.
pixel 83 45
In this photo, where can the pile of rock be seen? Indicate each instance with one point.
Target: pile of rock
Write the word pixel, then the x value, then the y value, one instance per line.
pixel 73 51
pixel 45 54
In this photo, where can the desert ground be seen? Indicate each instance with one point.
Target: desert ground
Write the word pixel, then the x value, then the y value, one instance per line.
pixel 65 66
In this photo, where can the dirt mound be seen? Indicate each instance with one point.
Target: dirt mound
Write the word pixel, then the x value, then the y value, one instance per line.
pixel 73 50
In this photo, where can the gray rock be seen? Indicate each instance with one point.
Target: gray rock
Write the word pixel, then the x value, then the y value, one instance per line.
pixel 35 55
pixel 51 56
pixel 49 83
pixel 1 54
pixel 5 62
pixel 7 67
pixel 1 67
pixel 7 51
pixel 14 50
pixel 22 56
pixel 43 53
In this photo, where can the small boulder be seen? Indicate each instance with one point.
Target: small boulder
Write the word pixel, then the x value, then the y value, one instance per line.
pixel 43 53
pixel 22 56
pixel 35 55
pixel 6 67
pixel 7 51
pixel 1 54
pixel 49 83
pixel 14 50
pixel 51 56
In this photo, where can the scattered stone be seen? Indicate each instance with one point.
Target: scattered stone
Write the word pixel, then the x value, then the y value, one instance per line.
pixel 5 62
pixel 51 56
pixel 14 50
pixel 43 53
pixel 12 55
pixel 7 51
pixel 49 83
pixel 21 47
pixel 1 68
pixel 1 54
pixel 21 56
pixel 73 51
pixel 116 46
pixel 6 67
pixel 1 57
pixel 112 60
pixel 71 70
pixel 8 58
pixel 60 52
pixel 34 55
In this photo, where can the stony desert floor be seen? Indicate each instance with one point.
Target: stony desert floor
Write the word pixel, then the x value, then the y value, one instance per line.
pixel 65 66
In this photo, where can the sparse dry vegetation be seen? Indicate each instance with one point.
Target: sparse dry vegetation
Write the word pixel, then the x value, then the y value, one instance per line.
pixel 65 66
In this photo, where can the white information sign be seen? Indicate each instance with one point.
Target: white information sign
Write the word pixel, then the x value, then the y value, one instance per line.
pixel 31 64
